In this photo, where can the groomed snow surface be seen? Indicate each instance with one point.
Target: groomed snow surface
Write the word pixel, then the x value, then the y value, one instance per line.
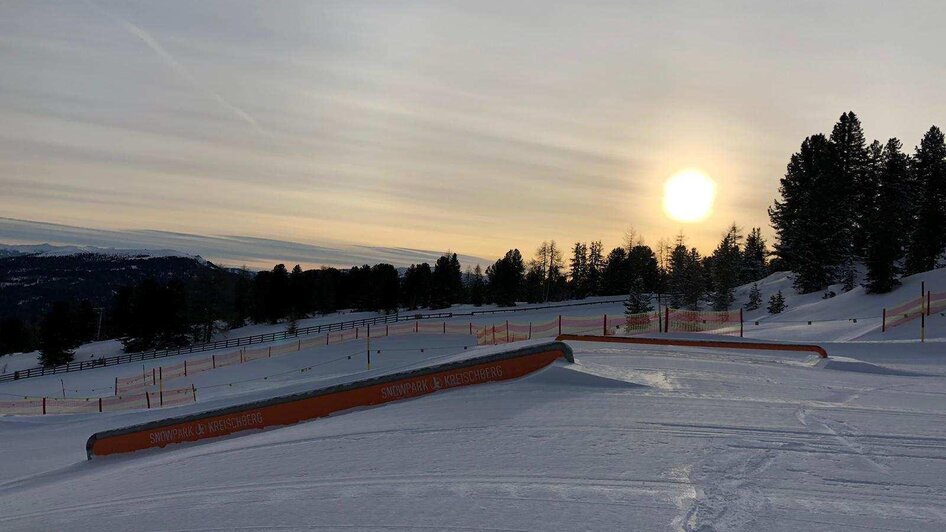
pixel 628 438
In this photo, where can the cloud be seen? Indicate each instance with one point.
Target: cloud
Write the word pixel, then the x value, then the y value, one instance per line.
pixel 230 250
pixel 179 68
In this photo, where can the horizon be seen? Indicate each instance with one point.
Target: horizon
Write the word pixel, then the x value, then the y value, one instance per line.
pixel 436 127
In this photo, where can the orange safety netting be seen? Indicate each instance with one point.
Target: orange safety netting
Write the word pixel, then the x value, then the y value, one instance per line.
pixel 37 406
pixel 906 312
pixel 627 324
pixel 717 322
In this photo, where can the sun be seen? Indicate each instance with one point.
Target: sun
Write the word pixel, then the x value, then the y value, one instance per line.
pixel 689 196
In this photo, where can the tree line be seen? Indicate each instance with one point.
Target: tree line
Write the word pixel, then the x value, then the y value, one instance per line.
pixel 844 202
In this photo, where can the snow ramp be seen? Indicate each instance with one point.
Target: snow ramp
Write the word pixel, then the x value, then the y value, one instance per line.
pixel 289 409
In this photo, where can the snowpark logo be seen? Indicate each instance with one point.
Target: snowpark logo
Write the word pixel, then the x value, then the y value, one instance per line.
pixel 425 385
pixel 194 431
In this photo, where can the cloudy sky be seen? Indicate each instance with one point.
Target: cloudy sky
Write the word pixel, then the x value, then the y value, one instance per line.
pixel 473 126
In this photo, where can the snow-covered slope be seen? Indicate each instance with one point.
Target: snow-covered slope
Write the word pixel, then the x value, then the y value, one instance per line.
pixel 846 316
pixel 629 438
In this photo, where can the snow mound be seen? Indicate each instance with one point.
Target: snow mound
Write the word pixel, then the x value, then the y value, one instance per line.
pixel 588 375
pixel 858 366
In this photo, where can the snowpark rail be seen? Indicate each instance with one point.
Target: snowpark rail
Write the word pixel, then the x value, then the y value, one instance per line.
pixel 755 346
pixel 290 409
pixel 242 341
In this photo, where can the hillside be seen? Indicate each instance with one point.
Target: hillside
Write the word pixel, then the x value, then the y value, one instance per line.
pixel 31 280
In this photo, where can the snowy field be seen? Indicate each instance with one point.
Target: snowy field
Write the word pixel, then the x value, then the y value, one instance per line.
pixel 629 438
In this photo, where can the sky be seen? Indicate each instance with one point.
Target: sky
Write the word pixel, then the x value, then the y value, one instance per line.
pixel 474 127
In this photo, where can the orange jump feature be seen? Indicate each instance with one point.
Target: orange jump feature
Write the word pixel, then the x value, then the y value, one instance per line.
pixel 756 346
pixel 291 409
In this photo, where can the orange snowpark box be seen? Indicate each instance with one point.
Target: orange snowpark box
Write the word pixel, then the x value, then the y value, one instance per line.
pixel 290 409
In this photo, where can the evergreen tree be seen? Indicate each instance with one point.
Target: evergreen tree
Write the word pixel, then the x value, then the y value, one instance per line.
pixel 477 287
pixel 686 281
pixel 384 284
pixel 579 271
pixel 615 275
pixel 638 300
pixel 595 265
pixel 457 291
pixel 441 284
pixel 726 267
pixel 298 295
pixel 854 186
pixel 56 338
pixel 776 303
pixel 811 239
pixel 505 278
pixel 755 297
pixel 642 262
pixel 754 257
pixel 928 237
pixel 16 336
pixel 416 289
pixel 242 299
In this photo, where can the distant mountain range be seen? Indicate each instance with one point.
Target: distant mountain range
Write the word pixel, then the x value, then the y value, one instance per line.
pixel 34 277
pixel 231 250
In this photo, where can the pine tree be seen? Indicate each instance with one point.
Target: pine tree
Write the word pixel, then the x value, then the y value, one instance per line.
pixel 812 241
pixel 594 267
pixel 642 262
pixel 755 298
pixel 686 279
pixel 854 188
pixel 725 269
pixel 754 257
pixel 477 287
pixel 776 303
pixel 928 237
pixel 578 272
pixel 638 300
pixel 506 278
pixel 615 275
pixel 887 223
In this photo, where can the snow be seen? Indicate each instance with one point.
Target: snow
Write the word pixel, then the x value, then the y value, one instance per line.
pixel 48 250
pixel 630 437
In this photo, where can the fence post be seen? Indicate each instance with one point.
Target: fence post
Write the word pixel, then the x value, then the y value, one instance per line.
pixel 44 406
pixel 740 322
pixel 148 399
pixel 369 330
pixel 445 327
pixel 185 367
pixel 415 325
pixel 507 331
pixel 100 405
pixel 213 362
pixel 922 325
pixel 666 319
pixel 883 323
pixel 116 378
pixel 530 330
pixel 604 326
pixel 385 329
pixel 494 335
pixel 559 324
pixel 356 333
